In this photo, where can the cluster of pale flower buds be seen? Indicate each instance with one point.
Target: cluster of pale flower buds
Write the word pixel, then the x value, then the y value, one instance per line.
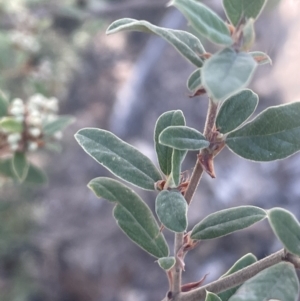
pixel 31 116
pixel 25 41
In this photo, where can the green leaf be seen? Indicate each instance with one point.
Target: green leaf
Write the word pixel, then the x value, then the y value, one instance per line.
pixel 3 104
pixel 166 263
pixel 261 58
pixel 227 72
pixel 205 21
pixel 183 138
pixel 6 168
pixel 279 282
pixel 132 215
pixel 122 159
pixel 20 165
pixel 227 221
pixel 286 228
pixel 164 153
pixel 236 110
pixel 248 35
pixel 35 176
pixel 272 135
pixel 171 209
pixel 212 297
pixel 237 9
pixel 185 43
pixel 243 262
pixel 57 125
pixel 10 124
pixel 177 158
pixel 194 80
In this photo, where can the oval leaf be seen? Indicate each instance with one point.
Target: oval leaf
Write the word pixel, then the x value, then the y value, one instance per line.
pixel 122 159
pixel 194 81
pixel 59 124
pixel 10 124
pixel 166 263
pixel 248 35
pixel 205 21
pixel 212 297
pixel 185 43
pixel 237 9
pixel 243 262
pixel 261 58
pixel 177 158
pixel 132 215
pixel 20 165
pixel 279 282
pixel 183 138
pixel 227 221
pixel 164 153
pixel 171 209
pixel 236 110
pixel 227 72
pixel 286 228
pixel 272 135
pixel 35 176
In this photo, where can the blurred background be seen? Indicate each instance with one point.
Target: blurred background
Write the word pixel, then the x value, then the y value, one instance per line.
pixel 59 242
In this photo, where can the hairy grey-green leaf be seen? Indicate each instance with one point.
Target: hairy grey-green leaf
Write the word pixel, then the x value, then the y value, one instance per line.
pixel 279 282
pixel 164 153
pixel 286 228
pixel 171 209
pixel 183 138
pixel 132 215
pixel 185 43
pixel 272 135
pixel 20 165
pixel 236 110
pixel 261 58
pixel 59 124
pixel 237 9
pixel 194 80
pixel 177 158
pixel 243 262
pixel 122 159
pixel 212 297
pixel 248 35
pixel 166 263
pixel 205 21
pixel 11 125
pixel 226 72
pixel 227 221
pixel 35 176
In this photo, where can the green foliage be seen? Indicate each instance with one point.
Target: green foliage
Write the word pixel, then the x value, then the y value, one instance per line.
pixel 226 72
pixel 236 110
pixel 122 159
pixel 167 263
pixel 10 124
pixel 171 209
pixel 20 165
pixel 238 9
pixel 212 297
pixel 3 104
pixel 272 135
pixel 287 229
pixel 183 138
pixel 261 58
pixel 278 282
pixel 227 221
pixel 185 43
pixel 164 153
pixel 209 24
pixel 194 80
pixel 243 262
pixel 132 215
pixel 57 125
